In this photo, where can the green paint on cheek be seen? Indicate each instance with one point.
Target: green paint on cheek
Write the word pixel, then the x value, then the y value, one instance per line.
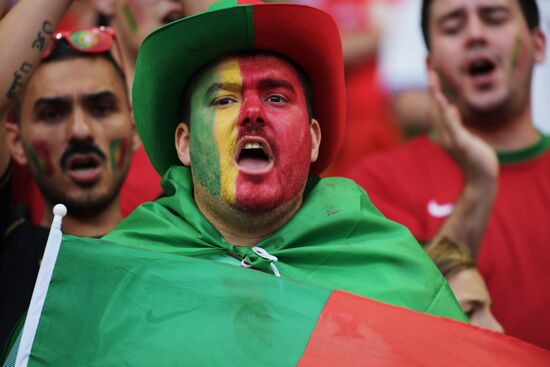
pixel 35 161
pixel 205 160
pixel 40 157
pixel 117 152
pixel 516 54
pixel 446 87
pixel 130 18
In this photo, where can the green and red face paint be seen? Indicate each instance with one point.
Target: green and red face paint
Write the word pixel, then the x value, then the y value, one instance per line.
pixel 254 111
pixel 118 150
pixel 231 30
pixel 446 86
pixel 520 56
pixel 40 155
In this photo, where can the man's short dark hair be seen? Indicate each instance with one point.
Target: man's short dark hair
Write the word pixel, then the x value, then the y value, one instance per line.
pixel 192 84
pixel 529 9
pixel 63 51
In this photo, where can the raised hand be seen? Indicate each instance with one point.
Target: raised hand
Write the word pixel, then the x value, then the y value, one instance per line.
pixel 479 164
pixel 477 160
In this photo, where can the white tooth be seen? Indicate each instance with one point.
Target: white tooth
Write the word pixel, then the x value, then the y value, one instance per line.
pixel 252 145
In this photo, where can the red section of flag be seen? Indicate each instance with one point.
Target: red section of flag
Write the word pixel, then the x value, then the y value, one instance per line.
pixel 355 331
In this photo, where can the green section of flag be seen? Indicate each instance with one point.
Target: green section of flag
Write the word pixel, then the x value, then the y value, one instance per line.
pixel 337 239
pixel 110 305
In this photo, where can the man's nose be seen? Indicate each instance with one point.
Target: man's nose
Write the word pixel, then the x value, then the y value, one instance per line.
pixel 494 324
pixel 486 320
pixel 80 128
pixel 476 32
pixel 252 112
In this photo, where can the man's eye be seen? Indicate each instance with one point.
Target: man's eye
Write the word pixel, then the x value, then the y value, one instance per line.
pixel 51 115
pixel 276 98
pixel 497 17
pixel 469 311
pixel 101 110
pixel 224 101
pixel 451 27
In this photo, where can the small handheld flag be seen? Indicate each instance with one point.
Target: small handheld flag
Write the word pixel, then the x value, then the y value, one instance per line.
pixel 41 286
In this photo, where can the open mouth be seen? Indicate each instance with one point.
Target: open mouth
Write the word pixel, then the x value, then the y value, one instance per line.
pixel 84 169
pixel 172 16
pixel 480 68
pixel 254 155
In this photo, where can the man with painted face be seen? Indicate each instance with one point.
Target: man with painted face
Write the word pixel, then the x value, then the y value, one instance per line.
pixel 231 107
pixel 74 130
pixel 132 21
pixel 481 58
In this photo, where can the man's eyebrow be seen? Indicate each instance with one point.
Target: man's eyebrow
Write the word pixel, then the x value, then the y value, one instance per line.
pixel 44 101
pixel 451 15
pixel 223 86
pixel 96 97
pixel 494 8
pixel 276 83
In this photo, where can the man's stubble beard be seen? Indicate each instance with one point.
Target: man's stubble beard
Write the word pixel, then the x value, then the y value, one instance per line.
pixel 87 204
pixel 247 219
pixel 495 117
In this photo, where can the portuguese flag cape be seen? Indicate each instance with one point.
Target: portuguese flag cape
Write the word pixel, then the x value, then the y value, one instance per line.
pixel 337 240
pixel 98 303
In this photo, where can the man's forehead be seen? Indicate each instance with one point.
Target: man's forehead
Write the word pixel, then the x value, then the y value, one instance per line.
pixel 234 68
pixel 443 7
pixel 72 77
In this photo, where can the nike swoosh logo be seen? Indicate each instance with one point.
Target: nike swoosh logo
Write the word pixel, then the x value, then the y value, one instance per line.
pixel 439 210
pixel 153 316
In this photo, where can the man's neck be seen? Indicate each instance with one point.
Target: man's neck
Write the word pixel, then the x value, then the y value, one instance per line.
pixel 514 133
pixel 95 226
pixel 247 229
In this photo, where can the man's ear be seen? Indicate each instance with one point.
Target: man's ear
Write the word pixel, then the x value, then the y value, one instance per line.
pixel 429 62
pixel 182 143
pixel 136 140
pixel 315 130
pixel 15 144
pixel 539 41
pixel 105 7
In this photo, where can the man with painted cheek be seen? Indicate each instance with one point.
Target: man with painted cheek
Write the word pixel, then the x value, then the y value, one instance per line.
pixel 483 180
pixel 76 136
pixel 250 144
pixel 75 131
pixel 230 110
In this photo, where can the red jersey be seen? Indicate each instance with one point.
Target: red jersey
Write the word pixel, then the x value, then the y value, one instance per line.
pixel 417 185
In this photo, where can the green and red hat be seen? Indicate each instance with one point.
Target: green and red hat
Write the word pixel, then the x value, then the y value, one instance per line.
pixel 170 56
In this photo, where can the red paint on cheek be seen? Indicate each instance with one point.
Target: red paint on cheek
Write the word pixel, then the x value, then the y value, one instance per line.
pixel 274 108
pixel 43 157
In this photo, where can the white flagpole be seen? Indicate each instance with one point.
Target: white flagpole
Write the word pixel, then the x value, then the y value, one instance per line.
pixel 41 286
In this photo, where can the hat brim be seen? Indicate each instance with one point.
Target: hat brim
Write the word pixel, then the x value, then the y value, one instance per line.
pixel 170 56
